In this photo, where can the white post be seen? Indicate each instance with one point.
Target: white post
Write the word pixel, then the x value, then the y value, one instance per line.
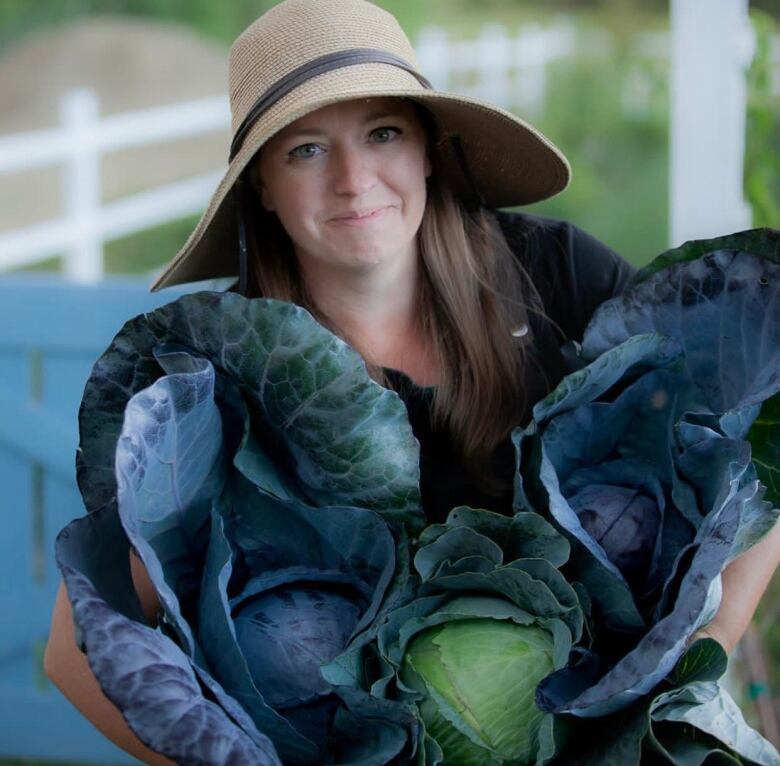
pixel 494 62
pixel 433 51
pixel 712 45
pixel 775 57
pixel 531 70
pixel 79 111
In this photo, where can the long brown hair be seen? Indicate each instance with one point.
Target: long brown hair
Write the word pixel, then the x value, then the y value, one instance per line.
pixel 475 298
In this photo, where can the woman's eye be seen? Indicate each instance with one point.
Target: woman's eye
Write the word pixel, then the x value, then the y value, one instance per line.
pixel 304 151
pixel 384 135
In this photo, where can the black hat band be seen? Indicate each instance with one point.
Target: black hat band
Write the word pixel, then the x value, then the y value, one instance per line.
pixel 318 66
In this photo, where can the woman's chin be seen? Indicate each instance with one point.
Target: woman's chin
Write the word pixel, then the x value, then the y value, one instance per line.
pixel 366 256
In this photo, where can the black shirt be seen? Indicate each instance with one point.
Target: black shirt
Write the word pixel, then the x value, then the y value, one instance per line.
pixel 573 273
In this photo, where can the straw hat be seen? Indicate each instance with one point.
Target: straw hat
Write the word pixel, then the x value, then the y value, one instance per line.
pixel 305 54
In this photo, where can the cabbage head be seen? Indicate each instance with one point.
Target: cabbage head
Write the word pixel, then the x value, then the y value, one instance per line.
pixel 643 458
pixel 491 617
pixel 487 670
pixel 242 453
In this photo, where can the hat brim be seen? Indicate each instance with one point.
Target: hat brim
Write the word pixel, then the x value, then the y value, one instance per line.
pixel 508 161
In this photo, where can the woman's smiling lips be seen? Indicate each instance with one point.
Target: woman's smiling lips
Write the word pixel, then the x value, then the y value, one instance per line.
pixel 360 217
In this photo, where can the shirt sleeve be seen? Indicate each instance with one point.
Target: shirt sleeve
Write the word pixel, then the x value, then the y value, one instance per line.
pixel 572 271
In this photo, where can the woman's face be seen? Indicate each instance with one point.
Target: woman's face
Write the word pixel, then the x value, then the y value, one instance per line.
pixel 348 183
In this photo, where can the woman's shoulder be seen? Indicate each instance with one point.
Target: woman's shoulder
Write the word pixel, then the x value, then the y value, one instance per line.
pixel 542 243
pixel 571 270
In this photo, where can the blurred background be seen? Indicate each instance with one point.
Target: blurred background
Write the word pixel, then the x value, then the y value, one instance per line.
pixel 114 130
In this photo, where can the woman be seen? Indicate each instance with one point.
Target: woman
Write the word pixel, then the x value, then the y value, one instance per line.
pixel 359 192
pixel 471 294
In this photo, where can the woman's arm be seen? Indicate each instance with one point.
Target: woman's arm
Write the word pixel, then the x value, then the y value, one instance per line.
pixel 68 669
pixel 744 582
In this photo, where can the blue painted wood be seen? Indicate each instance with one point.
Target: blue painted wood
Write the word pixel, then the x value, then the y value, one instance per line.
pixel 42 435
pixel 50 335
pixel 51 729
pixel 89 316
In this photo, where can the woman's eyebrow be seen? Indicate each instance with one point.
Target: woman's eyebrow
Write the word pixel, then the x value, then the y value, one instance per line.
pixel 304 131
pixel 316 132
pixel 385 114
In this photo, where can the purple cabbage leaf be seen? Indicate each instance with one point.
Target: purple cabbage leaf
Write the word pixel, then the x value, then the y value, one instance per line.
pixel 217 434
pixel 643 458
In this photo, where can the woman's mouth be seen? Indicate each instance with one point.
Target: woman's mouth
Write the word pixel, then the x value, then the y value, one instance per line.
pixel 359 217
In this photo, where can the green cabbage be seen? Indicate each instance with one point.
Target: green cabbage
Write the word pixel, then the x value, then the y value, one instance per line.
pixel 481 674
pixel 492 617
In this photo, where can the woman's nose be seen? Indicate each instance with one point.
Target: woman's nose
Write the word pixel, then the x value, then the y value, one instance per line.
pixel 353 171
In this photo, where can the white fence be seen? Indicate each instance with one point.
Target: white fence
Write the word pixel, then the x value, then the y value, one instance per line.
pixel 510 71
pixel 79 144
pixel 503 69
pixel 499 68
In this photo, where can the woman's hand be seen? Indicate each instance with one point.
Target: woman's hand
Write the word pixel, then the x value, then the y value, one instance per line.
pixel 744 582
pixel 68 669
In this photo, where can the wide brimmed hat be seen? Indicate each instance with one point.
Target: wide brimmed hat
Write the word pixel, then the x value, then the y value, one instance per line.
pixel 306 54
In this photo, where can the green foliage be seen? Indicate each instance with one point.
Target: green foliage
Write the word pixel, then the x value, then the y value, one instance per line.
pixel 411 14
pixel 704 661
pixel 764 437
pixel 767 620
pixel 619 162
pixel 221 21
pixel 149 249
pixel 762 155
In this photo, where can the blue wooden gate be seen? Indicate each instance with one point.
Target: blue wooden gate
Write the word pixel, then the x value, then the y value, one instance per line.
pixel 50 334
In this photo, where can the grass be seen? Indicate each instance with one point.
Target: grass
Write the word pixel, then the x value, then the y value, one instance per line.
pixel 464 18
pixel 139 253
